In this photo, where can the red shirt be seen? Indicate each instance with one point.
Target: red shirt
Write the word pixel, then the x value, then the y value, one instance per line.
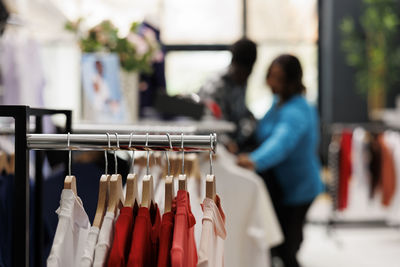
pixel 144 249
pixel 166 235
pixel 122 237
pixel 345 169
pixel 183 252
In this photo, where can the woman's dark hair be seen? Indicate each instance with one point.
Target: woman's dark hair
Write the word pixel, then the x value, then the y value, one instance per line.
pixel 293 75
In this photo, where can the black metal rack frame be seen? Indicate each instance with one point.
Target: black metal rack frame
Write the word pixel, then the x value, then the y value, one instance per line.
pixel 20 232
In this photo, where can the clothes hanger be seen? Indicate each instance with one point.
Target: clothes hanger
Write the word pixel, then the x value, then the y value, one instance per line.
pixel 11 164
pixel 131 197
pixel 116 190
pixel 70 180
pixel 182 177
pixel 169 182
pixel 104 188
pixel 210 179
pixel 148 184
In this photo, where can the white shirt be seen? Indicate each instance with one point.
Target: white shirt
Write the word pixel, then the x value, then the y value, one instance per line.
pixel 105 240
pixel 88 253
pixel 211 248
pixel 251 222
pixel 72 231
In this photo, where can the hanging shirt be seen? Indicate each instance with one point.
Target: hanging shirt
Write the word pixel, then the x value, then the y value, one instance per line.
pixel 211 252
pixel 251 224
pixel 345 169
pixel 388 172
pixel 145 240
pixel 393 141
pixel 122 237
pixel 105 240
pixel 72 231
pixel 88 253
pixel 166 236
pixel 183 252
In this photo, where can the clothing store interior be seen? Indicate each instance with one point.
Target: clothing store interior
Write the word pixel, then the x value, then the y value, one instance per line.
pixel 205 133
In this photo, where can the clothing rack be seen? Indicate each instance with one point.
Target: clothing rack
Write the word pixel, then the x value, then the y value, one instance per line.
pixel 20 232
pixel 336 129
pixel 24 142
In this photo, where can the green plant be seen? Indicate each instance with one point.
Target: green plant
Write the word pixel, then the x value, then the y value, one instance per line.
pixel 136 52
pixel 373 51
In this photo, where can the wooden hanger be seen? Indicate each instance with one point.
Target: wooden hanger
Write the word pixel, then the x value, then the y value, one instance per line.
pixel 70 183
pixel 116 199
pixel 131 190
pixel 182 179
pixel 104 187
pixel 116 191
pixel 169 193
pixel 210 187
pixel 169 182
pixel 70 180
pixel 211 191
pixel 131 195
pixel 147 191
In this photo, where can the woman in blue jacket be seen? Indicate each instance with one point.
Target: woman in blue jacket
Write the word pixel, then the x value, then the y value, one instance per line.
pixel 288 136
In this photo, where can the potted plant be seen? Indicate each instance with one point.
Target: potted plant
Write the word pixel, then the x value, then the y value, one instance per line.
pixel 370 45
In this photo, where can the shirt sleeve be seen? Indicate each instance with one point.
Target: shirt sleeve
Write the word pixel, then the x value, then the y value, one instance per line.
pixel 290 127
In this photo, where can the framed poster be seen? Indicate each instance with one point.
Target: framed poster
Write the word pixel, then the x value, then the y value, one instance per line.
pixel 102 96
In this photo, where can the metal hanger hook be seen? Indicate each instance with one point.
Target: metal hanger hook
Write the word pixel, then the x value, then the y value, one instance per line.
pixel 115 154
pixel 148 154
pixel 211 155
pixel 166 154
pixel 69 154
pixel 133 152
pixel 105 154
pixel 183 155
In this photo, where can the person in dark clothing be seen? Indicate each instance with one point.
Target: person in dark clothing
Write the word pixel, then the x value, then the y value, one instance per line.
pixel 225 96
pixel 288 136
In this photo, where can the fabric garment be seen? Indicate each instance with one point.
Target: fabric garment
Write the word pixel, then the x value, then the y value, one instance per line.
pixel 105 240
pixel 211 251
pixel 333 163
pixel 145 239
pixel 292 219
pixel 392 139
pixel 230 98
pixel 344 169
pixel 375 164
pixel 289 137
pixel 359 203
pixel 122 237
pixel 388 172
pixel 88 253
pixel 166 236
pixel 183 252
pixel 72 231
pixel 251 224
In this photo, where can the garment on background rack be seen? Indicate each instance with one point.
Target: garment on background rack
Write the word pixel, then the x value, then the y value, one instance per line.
pixel 388 175
pixel 345 169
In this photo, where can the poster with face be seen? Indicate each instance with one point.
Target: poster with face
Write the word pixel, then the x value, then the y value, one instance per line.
pixel 102 95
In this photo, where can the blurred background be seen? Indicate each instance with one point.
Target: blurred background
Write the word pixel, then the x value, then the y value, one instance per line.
pixel 120 61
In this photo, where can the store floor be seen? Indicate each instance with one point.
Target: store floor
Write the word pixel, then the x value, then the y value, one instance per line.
pixel 348 247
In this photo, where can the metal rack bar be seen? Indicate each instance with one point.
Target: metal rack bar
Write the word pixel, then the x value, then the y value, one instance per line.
pixel 192 143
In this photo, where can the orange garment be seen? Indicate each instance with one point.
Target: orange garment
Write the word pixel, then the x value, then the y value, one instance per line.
pixel 183 252
pixel 388 173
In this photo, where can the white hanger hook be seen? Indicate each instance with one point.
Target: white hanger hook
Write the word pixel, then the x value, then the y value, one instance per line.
pixel 166 154
pixel 211 155
pixel 105 154
pixel 148 154
pixel 133 151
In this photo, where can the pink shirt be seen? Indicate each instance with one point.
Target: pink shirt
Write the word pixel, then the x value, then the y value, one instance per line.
pixel 211 250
